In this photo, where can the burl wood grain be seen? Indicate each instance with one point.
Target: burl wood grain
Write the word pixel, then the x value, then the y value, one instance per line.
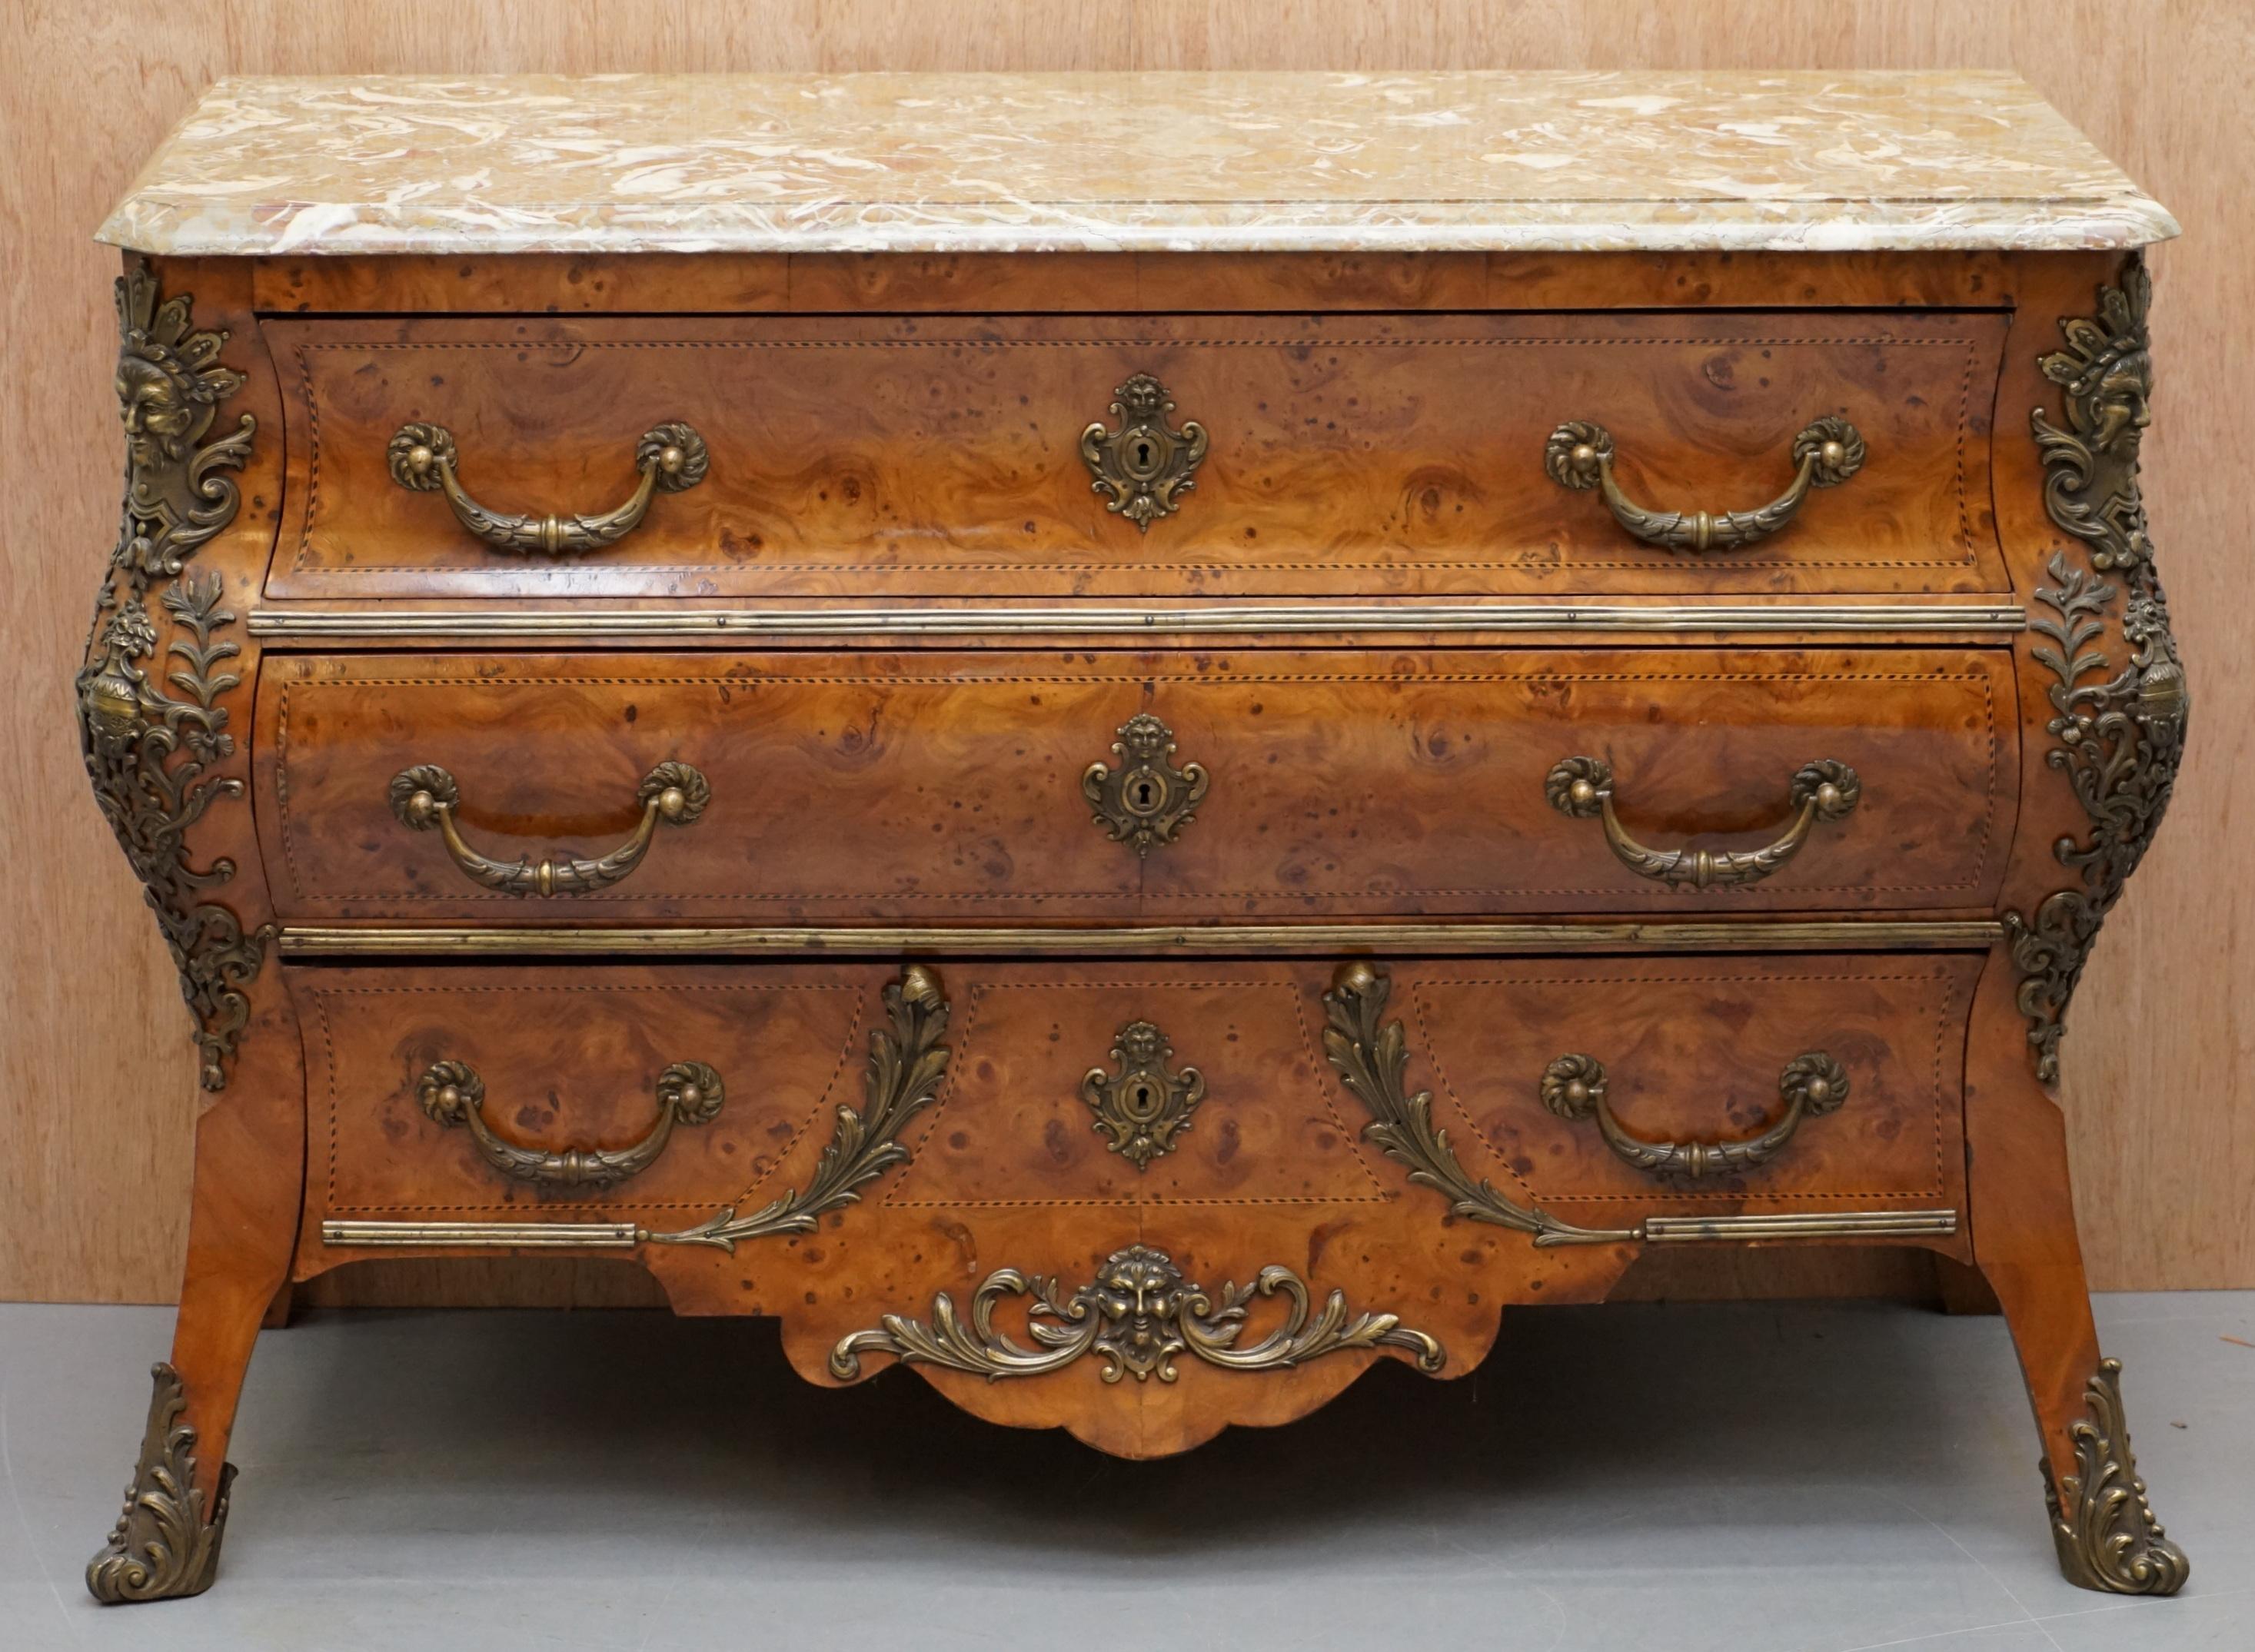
pixel 570 1059
pixel 1007 1169
pixel 1692 1049
pixel 1372 454
pixel 850 787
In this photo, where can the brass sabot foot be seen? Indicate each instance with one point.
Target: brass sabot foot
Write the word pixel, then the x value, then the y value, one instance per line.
pixel 2101 1522
pixel 163 1547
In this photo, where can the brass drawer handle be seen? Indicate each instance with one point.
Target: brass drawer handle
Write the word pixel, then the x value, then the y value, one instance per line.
pixel 688 1093
pixel 671 458
pixel 1812 1085
pixel 1580 456
pixel 1582 787
pixel 425 796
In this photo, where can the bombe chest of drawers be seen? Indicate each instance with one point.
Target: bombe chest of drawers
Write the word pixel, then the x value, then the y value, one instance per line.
pixel 1131 740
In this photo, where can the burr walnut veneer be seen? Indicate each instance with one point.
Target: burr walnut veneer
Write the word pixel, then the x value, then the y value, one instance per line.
pixel 1133 831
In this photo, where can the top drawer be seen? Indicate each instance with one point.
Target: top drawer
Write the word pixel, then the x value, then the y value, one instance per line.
pixel 878 458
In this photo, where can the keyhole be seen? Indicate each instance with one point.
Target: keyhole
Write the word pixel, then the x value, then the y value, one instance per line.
pixel 1142 1095
pixel 1142 794
pixel 1142 454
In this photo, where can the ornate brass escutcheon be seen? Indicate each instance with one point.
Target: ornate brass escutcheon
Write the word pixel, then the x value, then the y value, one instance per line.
pixel 425 796
pixel 1148 800
pixel 671 458
pixel 688 1093
pixel 1579 456
pixel 1812 1085
pixel 1144 466
pixel 1582 787
pixel 1145 1106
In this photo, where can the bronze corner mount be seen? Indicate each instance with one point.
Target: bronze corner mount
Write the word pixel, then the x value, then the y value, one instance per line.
pixel 154 750
pixel 164 1544
pixel 2117 717
pixel 2101 1523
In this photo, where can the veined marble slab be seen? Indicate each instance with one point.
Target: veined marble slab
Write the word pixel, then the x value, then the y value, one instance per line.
pixel 1800 161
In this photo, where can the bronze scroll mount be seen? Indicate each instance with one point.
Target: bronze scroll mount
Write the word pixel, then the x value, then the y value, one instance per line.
pixel 165 1545
pixel 1137 1314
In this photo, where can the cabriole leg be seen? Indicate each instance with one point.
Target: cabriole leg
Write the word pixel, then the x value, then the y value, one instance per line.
pixel 2025 1243
pixel 250 1154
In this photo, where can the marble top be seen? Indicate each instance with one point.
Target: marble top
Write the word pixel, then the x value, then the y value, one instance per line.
pixel 1799 161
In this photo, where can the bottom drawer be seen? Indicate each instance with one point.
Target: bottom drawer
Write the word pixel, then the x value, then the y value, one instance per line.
pixel 989 1170
pixel 1601 1090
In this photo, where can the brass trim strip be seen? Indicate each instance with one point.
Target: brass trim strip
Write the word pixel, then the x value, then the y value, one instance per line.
pixel 626 1236
pixel 391 940
pixel 486 1235
pixel 1836 1225
pixel 501 623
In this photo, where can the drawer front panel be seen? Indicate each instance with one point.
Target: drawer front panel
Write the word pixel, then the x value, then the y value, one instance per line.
pixel 1700 1053
pixel 870 787
pixel 1174 1090
pixel 566 1061
pixel 882 458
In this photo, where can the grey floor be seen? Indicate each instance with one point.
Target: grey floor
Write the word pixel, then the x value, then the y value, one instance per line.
pixel 1772 1477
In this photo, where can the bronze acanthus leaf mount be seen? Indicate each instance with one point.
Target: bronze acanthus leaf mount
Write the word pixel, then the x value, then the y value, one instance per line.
pixel 907 1062
pixel 163 1546
pixel 1371 1058
pixel 2101 1523
pixel 2118 723
pixel 153 750
pixel 1137 1315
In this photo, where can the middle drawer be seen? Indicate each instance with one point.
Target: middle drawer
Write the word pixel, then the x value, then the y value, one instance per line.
pixel 1099 786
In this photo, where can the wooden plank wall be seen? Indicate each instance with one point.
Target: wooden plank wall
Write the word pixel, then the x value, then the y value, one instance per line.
pixel 96 1087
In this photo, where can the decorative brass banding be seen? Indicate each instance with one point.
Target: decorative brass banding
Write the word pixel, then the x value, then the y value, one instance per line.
pixel 1847 1224
pixel 1855 1224
pixel 1146 800
pixel 671 457
pixel 1574 1087
pixel 1137 1315
pixel 1371 1058
pixel 1144 466
pixel 1143 1107
pixel 1582 787
pixel 1580 456
pixel 453 1094
pixel 165 1546
pixel 1408 617
pixel 359 1235
pixel 425 797
pixel 882 940
pixel 2101 1523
